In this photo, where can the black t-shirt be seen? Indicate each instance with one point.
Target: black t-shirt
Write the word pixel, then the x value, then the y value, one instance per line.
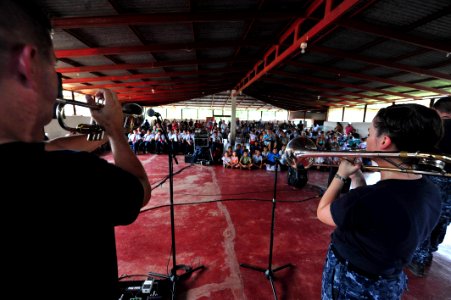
pixel 58 217
pixel 379 226
pixel 445 143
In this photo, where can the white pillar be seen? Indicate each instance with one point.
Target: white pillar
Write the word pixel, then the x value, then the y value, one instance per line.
pixel 233 121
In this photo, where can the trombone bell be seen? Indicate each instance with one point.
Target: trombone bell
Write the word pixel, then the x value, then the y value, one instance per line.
pixel 297 150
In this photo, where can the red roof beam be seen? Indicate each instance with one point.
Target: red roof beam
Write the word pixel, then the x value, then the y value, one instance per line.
pixel 152 65
pixel 323 89
pixel 381 62
pixel 329 18
pixel 149 84
pixel 167 88
pixel 163 90
pixel 343 84
pixel 151 75
pixel 341 72
pixel 153 48
pixel 166 96
pixel 167 18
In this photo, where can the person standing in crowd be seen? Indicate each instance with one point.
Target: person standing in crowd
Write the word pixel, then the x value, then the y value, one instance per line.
pixel 349 129
pixel 422 257
pixel 378 227
pixel 338 129
pixel 69 202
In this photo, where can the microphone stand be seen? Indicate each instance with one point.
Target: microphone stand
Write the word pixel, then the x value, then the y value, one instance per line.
pixel 269 272
pixel 172 276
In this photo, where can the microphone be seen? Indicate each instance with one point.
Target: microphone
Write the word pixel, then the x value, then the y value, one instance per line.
pixel 152 113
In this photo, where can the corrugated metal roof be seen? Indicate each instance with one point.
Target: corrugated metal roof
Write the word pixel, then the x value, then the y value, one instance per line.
pixel 360 51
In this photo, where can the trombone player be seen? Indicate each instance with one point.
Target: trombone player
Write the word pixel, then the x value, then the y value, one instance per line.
pixel 67 201
pixel 378 227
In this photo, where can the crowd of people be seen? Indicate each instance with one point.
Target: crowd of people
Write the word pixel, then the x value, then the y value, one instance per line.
pixel 263 142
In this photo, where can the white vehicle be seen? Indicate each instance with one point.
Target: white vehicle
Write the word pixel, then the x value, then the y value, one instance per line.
pixel 147 286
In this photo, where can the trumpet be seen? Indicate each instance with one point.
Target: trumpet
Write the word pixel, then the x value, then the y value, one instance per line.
pixel 133 113
pixel 302 151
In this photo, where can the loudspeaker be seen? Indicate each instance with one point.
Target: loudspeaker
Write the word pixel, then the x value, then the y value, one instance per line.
pixel 297 177
pixel 190 158
pixel 201 142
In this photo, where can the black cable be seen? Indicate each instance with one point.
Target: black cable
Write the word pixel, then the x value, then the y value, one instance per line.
pixel 157 184
pixel 123 276
pixel 226 200
pixel 169 260
pixel 231 194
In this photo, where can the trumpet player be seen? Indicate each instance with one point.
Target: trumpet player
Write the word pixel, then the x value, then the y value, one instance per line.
pixel 67 203
pixel 378 227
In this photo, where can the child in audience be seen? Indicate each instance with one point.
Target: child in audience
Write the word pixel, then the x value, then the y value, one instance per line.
pixel 257 159
pixel 265 153
pixel 246 160
pixel 235 161
pixel 226 160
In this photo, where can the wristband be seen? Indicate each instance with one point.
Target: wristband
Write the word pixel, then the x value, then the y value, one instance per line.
pixel 340 177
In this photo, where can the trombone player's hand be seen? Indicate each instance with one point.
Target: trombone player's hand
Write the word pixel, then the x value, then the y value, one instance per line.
pixel 352 169
pixel 348 167
pixel 110 116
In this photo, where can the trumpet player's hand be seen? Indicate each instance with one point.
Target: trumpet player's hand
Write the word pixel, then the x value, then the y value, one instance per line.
pixel 110 116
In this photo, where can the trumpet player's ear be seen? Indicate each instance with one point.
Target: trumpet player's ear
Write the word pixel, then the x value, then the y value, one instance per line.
pixel 26 58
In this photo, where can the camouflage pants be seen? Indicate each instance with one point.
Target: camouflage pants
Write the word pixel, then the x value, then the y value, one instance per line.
pixel 339 283
pixel 423 254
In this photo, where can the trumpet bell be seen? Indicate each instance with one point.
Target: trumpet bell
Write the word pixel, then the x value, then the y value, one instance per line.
pixel 132 109
pixel 133 117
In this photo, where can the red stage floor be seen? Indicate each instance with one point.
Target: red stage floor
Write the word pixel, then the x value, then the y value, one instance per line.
pixel 223 218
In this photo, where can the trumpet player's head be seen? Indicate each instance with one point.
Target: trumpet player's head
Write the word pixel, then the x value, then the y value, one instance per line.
pixel 405 127
pixel 28 82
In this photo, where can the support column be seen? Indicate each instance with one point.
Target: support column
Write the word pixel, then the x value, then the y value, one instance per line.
pixel 364 112
pixel 233 120
pixel 73 98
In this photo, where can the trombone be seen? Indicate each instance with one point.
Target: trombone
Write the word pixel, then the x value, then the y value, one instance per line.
pixel 133 113
pixel 301 151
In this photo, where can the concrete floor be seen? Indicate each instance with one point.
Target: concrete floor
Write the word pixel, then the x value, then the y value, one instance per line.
pixel 223 219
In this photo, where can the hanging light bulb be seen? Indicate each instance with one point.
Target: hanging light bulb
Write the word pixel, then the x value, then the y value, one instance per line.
pixel 303 47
